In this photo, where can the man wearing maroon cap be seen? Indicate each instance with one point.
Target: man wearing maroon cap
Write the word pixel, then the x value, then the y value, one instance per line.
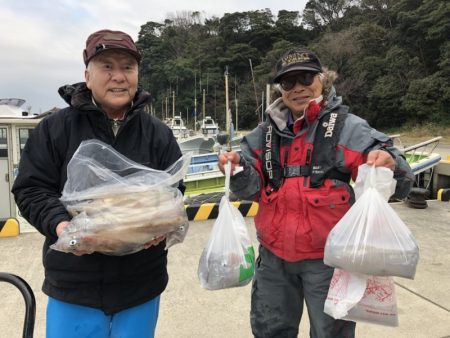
pixel 298 165
pixel 91 294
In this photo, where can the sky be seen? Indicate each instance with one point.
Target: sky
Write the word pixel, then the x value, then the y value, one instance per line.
pixel 41 42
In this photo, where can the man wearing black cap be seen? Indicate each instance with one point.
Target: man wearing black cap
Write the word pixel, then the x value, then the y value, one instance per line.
pixel 91 294
pixel 298 165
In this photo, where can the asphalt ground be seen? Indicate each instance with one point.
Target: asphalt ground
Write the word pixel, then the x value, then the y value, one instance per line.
pixel 188 311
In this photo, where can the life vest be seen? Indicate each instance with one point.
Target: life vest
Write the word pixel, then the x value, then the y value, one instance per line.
pixel 322 165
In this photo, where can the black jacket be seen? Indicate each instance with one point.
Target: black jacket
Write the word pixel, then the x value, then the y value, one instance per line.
pixel 110 283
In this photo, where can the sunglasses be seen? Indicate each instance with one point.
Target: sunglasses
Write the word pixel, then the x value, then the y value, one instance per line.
pixel 304 78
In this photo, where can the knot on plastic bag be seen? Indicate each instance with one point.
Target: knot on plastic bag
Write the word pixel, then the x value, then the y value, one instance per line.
pixel 379 178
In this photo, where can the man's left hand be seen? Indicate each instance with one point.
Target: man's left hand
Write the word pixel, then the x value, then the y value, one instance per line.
pixel 380 158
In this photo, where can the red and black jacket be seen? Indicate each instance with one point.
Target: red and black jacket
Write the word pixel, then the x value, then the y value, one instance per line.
pixel 300 174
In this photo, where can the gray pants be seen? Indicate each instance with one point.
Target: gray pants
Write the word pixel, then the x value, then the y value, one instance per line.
pixel 278 291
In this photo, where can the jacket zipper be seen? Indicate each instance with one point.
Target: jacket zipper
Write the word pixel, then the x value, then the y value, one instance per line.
pixel 307 162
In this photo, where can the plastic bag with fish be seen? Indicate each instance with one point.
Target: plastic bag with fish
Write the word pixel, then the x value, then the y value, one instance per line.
pixel 119 206
pixel 371 238
pixel 228 259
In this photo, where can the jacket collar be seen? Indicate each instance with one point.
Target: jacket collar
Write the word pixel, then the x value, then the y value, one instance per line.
pixel 279 112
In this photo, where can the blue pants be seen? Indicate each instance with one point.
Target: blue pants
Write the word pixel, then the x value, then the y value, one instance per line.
pixel 278 291
pixel 76 321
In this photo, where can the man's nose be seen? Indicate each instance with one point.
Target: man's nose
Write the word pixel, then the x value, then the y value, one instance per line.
pixel 298 86
pixel 117 75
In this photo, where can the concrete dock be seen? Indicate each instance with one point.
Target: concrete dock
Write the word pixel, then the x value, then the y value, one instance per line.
pixel 187 311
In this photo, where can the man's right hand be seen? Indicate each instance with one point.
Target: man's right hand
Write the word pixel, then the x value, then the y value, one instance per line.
pixel 231 156
pixel 60 227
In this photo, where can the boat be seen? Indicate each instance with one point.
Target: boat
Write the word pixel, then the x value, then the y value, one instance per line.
pixel 15 128
pixel 197 144
pixel 208 140
pixel 203 142
pixel 422 159
pixel 11 108
pixel 208 127
pixel 176 124
pixel 203 175
pixel 421 156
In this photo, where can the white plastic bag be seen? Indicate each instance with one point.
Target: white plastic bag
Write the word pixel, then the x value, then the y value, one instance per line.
pixel 378 304
pixel 228 260
pixel 359 297
pixel 346 290
pixel 371 238
pixel 118 205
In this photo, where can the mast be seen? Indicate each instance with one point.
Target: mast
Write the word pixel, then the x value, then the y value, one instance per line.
pixel 235 104
pixel 204 103
pixel 227 109
pixel 173 103
pixel 195 101
pixel 254 89
pixel 167 103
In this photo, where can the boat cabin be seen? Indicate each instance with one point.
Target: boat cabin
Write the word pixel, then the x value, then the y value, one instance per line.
pixel 14 133
pixel 178 128
pixel 209 127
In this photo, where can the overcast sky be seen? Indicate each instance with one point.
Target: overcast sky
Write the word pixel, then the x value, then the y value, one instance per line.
pixel 41 41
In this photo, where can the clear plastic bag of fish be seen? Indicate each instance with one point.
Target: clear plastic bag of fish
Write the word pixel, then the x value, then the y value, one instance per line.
pixel 371 238
pixel 228 259
pixel 119 206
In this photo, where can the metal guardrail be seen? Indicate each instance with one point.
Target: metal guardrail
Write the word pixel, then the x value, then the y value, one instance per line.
pixel 432 142
pixel 30 301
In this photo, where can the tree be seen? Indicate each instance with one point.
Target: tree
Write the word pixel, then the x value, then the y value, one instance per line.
pixel 318 14
pixel 288 28
pixel 392 57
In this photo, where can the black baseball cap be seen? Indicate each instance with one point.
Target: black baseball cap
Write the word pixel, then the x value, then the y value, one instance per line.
pixel 297 59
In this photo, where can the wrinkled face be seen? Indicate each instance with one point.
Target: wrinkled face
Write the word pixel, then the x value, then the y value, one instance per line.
pixel 298 88
pixel 112 77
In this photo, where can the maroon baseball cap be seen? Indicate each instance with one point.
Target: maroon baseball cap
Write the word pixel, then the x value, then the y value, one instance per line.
pixel 106 39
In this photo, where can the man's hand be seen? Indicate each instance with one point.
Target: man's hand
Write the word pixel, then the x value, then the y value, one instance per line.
pixel 60 227
pixel 380 158
pixel 231 156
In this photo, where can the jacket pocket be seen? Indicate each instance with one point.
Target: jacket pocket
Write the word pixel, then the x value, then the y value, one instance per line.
pixel 264 219
pixel 324 211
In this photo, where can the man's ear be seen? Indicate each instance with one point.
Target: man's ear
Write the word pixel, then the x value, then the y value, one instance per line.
pixel 87 78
